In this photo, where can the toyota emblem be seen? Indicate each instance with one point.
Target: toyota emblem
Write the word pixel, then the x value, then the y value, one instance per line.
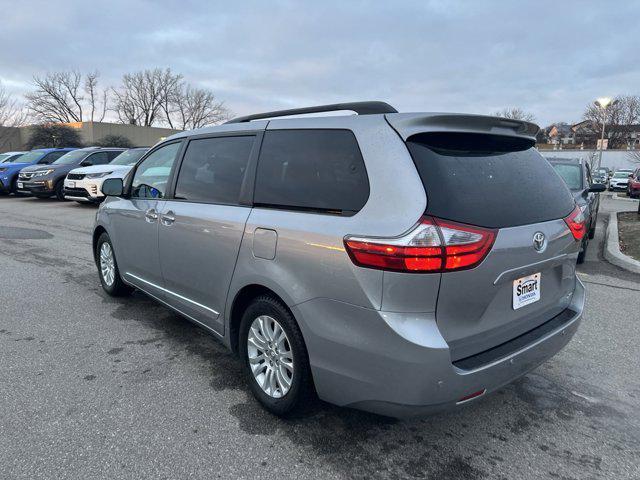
pixel 539 242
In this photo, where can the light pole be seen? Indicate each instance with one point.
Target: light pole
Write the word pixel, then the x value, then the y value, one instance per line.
pixel 603 103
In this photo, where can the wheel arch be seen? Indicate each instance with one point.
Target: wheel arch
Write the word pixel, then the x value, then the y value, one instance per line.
pixel 241 300
pixel 99 230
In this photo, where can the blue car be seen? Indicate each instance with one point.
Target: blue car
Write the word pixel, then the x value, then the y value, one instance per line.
pixel 10 168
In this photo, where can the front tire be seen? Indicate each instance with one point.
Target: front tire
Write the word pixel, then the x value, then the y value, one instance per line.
pixel 274 356
pixel 108 268
pixel 59 192
pixel 592 230
pixel 583 253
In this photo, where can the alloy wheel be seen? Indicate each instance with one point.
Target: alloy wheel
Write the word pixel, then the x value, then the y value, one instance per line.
pixel 270 356
pixel 107 264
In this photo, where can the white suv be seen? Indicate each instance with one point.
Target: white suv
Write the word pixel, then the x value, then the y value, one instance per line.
pixel 85 184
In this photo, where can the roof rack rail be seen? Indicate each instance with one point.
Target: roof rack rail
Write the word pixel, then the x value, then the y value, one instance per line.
pixel 361 108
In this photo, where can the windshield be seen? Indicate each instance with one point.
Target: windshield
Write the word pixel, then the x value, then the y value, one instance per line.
pixel 30 157
pixel 4 157
pixel 570 174
pixel 71 157
pixel 16 158
pixel 130 157
pixel 621 174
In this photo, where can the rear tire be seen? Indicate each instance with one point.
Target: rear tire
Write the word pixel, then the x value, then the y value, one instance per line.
pixel 300 388
pixel 108 268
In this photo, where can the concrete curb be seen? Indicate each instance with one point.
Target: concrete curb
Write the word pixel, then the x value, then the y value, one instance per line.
pixel 612 247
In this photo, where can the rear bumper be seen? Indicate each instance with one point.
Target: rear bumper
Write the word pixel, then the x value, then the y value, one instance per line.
pixel 399 364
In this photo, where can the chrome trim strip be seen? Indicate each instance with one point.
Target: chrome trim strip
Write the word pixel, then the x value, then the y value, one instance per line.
pixel 172 293
pixel 514 273
pixel 187 316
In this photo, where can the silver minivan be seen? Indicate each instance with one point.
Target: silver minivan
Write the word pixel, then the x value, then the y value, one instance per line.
pixel 399 263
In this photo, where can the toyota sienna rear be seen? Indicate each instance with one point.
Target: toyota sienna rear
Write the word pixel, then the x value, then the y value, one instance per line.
pixel 395 263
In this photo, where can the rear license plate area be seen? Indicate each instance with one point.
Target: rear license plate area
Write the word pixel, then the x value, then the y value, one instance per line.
pixel 526 290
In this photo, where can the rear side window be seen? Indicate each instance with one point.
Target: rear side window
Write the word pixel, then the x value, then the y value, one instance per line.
pixel 311 170
pixel 99 158
pixel 51 157
pixel 213 170
pixel 487 180
pixel 113 154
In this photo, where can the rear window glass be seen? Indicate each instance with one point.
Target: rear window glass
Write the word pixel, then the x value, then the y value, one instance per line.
pixel 311 170
pixel 487 180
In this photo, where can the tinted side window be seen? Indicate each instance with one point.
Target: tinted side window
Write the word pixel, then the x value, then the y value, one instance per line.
pixel 152 175
pixel 50 158
pixel 99 158
pixel 311 169
pixel 213 169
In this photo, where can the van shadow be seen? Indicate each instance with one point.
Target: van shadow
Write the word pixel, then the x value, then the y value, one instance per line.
pixel 459 444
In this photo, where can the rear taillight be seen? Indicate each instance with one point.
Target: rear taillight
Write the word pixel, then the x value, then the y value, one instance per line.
pixel 576 223
pixel 434 245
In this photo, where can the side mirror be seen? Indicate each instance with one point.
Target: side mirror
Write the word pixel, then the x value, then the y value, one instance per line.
pixel 631 175
pixel 113 187
pixel 597 187
pixel 86 163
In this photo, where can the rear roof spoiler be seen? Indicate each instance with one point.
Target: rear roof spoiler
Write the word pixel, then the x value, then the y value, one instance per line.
pixel 409 124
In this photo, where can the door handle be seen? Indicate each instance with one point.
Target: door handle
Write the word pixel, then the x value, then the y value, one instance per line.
pixel 150 215
pixel 167 218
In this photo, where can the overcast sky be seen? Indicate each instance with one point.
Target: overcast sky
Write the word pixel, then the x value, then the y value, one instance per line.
pixel 550 58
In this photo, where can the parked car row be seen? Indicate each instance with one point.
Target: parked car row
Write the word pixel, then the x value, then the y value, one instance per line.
pixel 74 173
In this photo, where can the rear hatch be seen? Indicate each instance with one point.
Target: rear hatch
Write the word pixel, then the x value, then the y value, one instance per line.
pixel 486 173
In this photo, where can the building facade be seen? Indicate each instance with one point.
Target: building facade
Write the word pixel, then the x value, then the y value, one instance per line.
pixel 91 133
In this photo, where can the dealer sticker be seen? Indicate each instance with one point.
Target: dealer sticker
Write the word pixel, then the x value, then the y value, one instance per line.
pixel 526 290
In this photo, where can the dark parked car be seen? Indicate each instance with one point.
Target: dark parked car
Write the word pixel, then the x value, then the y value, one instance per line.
pixel 46 181
pixel 633 188
pixel 10 168
pixel 577 176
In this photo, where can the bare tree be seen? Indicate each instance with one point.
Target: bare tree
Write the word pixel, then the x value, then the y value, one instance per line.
pixel 515 113
pixel 66 97
pixel 57 98
pixel 619 118
pixel 191 107
pixel 98 99
pixel 142 96
pixel 12 114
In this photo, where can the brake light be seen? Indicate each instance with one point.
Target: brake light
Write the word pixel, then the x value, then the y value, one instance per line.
pixel 434 245
pixel 576 223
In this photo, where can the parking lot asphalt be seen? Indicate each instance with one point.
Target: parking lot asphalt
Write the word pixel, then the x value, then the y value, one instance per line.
pixel 95 387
